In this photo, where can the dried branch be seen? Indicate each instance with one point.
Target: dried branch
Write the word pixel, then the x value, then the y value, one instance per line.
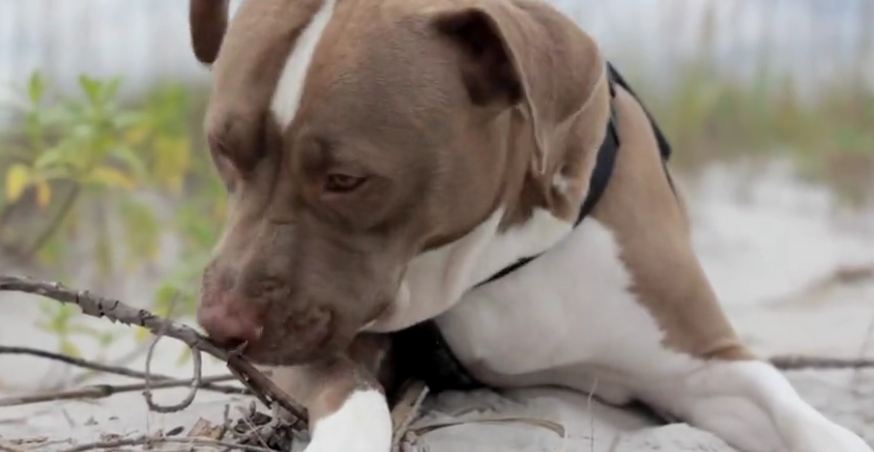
pixel 153 440
pixel 117 311
pixel 106 390
pixel 115 370
pixel 791 362
pixel 406 409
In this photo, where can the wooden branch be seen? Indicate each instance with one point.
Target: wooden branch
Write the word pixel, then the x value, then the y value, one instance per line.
pixel 104 390
pixel 792 362
pixel 115 370
pixel 117 311
pixel 154 440
pixel 407 408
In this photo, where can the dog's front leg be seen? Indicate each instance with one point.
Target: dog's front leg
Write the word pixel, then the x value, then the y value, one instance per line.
pixel 751 405
pixel 347 406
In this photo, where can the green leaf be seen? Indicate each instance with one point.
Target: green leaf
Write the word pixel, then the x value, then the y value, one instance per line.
pixel 111 88
pixel 172 161
pixel 51 157
pixel 43 194
pixel 127 119
pixel 36 88
pixel 90 87
pixel 132 161
pixel 110 177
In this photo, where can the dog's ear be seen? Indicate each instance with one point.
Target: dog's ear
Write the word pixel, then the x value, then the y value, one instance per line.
pixel 521 51
pixel 209 21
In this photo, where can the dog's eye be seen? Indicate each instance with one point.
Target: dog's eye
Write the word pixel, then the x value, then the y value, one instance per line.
pixel 342 183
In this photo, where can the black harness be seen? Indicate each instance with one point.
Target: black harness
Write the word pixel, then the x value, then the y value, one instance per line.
pixel 421 350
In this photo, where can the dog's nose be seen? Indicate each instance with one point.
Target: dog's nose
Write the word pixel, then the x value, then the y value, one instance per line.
pixel 229 323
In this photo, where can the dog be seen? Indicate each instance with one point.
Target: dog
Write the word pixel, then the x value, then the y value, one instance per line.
pixel 473 172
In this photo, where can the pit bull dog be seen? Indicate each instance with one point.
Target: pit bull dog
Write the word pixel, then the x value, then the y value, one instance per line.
pixel 394 162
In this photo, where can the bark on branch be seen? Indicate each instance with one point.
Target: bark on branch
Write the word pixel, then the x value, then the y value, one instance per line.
pixel 116 311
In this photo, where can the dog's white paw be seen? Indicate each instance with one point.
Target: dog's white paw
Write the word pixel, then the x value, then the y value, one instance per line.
pixel 362 424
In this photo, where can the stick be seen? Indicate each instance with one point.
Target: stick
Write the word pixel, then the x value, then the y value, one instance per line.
pixel 115 370
pixel 195 382
pixel 147 440
pixel 101 391
pixel 117 311
pixel 791 362
pixel 406 410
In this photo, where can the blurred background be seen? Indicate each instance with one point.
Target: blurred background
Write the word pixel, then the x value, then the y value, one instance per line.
pixel 106 182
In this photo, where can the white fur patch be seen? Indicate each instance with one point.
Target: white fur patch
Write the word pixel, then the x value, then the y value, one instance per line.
pixel 362 424
pixel 578 292
pixel 437 279
pixel 286 99
pixel 568 318
pixel 561 183
pixel 753 406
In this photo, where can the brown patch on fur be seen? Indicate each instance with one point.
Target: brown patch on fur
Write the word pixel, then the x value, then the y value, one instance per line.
pixel 651 226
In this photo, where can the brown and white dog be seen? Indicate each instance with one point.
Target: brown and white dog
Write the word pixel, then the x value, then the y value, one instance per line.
pixel 384 157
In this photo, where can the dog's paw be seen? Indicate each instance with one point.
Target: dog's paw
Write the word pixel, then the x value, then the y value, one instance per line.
pixel 362 424
pixel 827 436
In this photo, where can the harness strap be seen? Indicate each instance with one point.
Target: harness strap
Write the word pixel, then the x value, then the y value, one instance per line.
pixel 421 350
pixel 604 164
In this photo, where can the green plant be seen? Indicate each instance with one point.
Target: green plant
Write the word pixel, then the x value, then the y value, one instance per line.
pixel 104 180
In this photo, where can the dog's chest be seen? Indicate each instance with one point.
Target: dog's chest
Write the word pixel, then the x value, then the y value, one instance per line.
pixel 570 307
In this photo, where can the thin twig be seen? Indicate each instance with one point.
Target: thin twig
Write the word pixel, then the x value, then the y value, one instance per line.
pixel 151 440
pixel 863 349
pixel 195 382
pixel 591 407
pixel 115 370
pixel 121 361
pixel 253 430
pixel 105 390
pixel 792 362
pixel 226 421
pixel 406 409
pixel 115 310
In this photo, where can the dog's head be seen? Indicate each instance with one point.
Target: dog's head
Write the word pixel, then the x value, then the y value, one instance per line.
pixel 355 135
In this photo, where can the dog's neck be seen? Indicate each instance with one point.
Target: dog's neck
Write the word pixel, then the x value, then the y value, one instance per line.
pixel 537 210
